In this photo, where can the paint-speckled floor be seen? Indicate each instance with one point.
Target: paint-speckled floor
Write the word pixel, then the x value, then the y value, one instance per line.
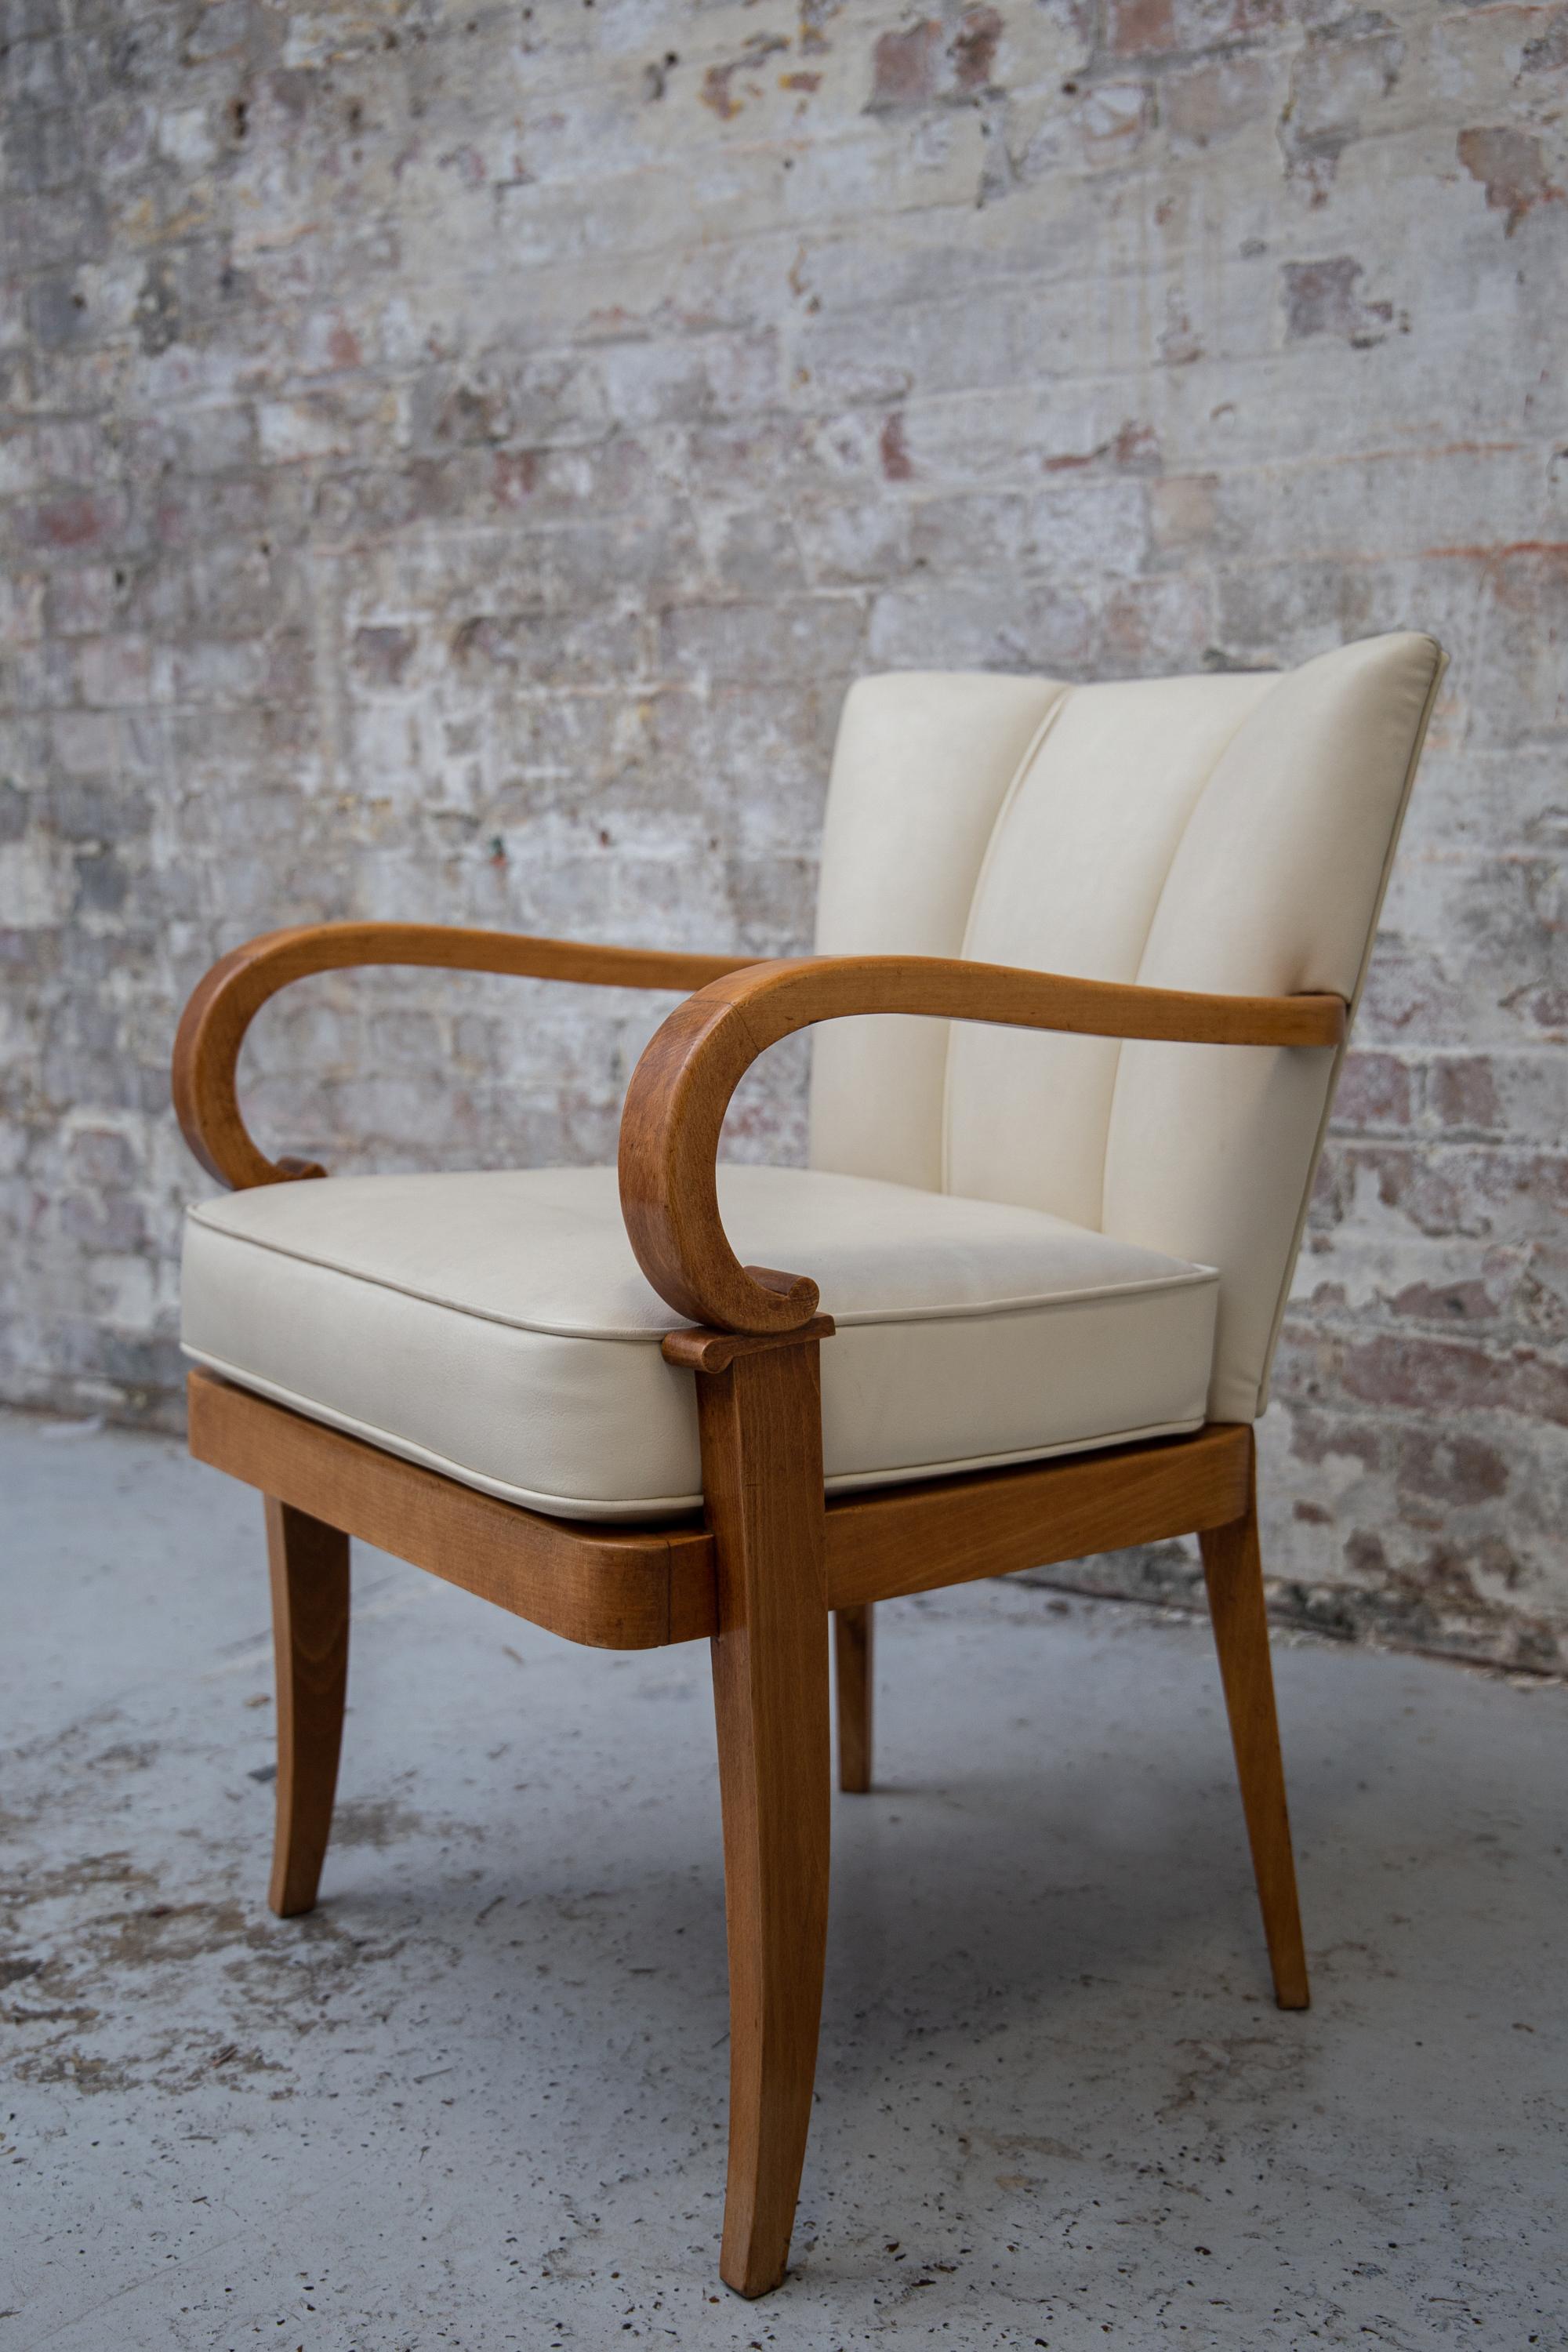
pixel 477 2100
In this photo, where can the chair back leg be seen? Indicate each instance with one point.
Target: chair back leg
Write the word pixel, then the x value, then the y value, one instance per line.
pixel 1233 1569
pixel 310 1565
pixel 761 1421
pixel 853 1656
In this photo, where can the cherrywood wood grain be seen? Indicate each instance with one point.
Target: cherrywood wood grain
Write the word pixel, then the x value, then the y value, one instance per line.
pixel 761 1422
pixel 310 1570
pixel 941 1531
pixel 715 1352
pixel 612 1587
pixel 682 1087
pixel 224 1004
pixel 1233 1569
pixel 854 1653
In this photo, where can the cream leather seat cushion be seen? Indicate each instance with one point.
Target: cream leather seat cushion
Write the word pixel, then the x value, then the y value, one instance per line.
pixel 497 1327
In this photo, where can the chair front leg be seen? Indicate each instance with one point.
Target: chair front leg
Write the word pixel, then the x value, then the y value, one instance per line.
pixel 761 1421
pixel 1233 1569
pixel 310 1565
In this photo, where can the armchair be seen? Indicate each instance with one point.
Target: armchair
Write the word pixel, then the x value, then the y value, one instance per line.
pixel 1047 1228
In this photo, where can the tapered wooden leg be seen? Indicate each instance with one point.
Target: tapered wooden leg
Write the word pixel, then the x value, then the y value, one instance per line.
pixel 1232 1569
pixel 853 1657
pixel 310 1564
pixel 761 1420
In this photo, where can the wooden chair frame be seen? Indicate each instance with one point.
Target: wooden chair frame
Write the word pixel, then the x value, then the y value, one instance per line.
pixel 773 1558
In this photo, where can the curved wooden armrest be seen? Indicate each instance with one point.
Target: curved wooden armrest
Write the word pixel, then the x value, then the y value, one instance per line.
pixel 212 1028
pixel 682 1087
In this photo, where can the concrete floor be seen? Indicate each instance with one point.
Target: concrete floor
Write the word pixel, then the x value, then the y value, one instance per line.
pixel 477 2099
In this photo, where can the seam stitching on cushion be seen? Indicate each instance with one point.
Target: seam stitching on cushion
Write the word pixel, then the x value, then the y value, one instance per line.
pixel 864 1318
pixel 1031 753
pixel 408 1450
pixel 852 1481
pixel 649 1336
pixel 574 1507
pixel 861 1318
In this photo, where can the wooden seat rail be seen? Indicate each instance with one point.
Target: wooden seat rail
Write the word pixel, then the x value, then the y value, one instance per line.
pixel 636 1588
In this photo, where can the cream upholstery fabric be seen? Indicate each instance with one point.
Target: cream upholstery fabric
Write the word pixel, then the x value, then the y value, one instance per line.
pixel 919 771
pixel 1227 832
pixel 498 1328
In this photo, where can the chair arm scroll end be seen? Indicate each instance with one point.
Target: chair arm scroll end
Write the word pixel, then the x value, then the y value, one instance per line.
pixel 702 1350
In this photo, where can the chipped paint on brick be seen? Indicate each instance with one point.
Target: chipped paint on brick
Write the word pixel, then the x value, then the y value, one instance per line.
pixel 1322 297
pixel 935 58
pixel 1511 168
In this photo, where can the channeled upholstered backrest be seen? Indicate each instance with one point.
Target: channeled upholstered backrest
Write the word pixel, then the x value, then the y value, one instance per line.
pixel 1232 833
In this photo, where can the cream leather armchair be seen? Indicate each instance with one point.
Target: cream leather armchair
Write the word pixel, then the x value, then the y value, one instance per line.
pixel 1085 959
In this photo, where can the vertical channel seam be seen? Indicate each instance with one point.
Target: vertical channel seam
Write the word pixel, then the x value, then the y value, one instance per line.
pixel 1064 691
pixel 1244 719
